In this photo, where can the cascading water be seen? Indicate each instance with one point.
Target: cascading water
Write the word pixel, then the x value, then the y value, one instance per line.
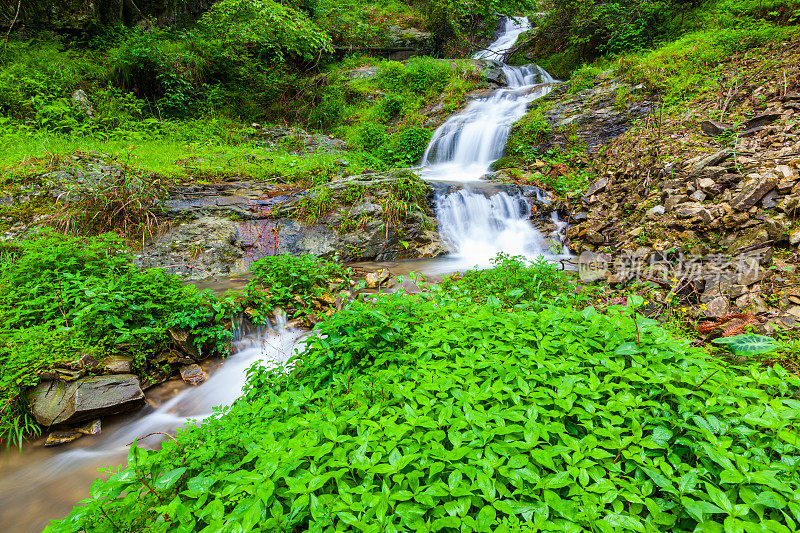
pixel 463 148
pixel 477 225
pixel 49 482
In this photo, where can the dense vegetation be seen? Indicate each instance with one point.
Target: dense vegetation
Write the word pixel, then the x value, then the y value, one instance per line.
pixel 62 298
pixel 454 412
pixel 572 33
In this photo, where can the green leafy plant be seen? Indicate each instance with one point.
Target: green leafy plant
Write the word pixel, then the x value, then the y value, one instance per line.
pixel 748 344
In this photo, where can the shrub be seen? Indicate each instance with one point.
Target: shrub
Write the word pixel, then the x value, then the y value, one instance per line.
pixel 294 284
pixel 63 296
pixel 405 147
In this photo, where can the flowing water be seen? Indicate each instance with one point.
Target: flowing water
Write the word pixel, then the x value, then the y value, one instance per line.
pixel 477 221
pixel 44 483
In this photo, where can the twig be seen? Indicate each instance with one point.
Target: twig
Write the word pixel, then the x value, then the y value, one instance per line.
pixel 151 434
pixel 10 27
pixel 702 382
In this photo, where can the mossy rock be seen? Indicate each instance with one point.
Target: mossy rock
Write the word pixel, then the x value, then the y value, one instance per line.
pixel 504 162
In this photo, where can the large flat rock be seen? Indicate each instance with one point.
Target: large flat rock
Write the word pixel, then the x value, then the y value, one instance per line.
pixel 57 402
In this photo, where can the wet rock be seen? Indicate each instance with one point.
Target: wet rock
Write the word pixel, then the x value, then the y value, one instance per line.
pixel 118 364
pixel 193 374
pixel 90 428
pixel 753 191
pixel 492 71
pixel 377 279
pixel 714 128
pixel 55 402
pixel 185 341
pixel 61 436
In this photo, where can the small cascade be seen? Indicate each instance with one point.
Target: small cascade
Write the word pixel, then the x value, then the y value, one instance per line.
pixel 53 480
pixel 479 226
pixel 465 146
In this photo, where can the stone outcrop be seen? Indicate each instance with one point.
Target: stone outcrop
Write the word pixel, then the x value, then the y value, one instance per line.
pixel 224 227
pixel 57 402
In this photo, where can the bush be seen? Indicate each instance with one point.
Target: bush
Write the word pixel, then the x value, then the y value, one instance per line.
pixel 294 284
pixel 405 147
pixel 436 414
pixel 62 296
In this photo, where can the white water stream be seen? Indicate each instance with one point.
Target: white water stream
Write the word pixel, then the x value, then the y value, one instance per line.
pixel 49 482
pixel 475 224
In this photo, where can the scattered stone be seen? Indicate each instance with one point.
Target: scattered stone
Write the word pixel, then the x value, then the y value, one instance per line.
pixel 655 211
pixel 719 306
pixel 760 121
pixel 714 128
pixel 193 374
pixel 56 402
pixel 698 196
pixel 769 201
pixel 593 266
pixel 596 187
pixel 794 237
pixel 712 160
pixel 778 227
pixel 377 279
pixel 785 172
pixel 706 184
pixel 790 205
pixel 118 364
pixel 754 191
pixel 61 436
pixel 674 201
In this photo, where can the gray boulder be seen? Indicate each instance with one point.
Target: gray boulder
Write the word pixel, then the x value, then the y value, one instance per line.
pixel 56 402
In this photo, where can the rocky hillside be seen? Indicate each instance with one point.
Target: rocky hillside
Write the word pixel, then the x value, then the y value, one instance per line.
pixel 699 199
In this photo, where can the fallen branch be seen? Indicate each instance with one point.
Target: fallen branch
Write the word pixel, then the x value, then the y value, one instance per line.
pixel 11 27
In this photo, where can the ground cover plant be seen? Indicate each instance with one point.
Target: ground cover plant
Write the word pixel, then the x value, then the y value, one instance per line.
pixel 434 413
pixel 65 297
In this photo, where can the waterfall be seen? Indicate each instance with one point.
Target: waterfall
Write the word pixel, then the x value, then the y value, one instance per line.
pixel 480 226
pixel 463 148
pixel 476 225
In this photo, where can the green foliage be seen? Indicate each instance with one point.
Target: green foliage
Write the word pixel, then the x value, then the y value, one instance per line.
pixel 748 344
pixel 276 29
pixel 405 147
pixel 510 283
pixel 63 296
pixel 432 412
pixel 294 284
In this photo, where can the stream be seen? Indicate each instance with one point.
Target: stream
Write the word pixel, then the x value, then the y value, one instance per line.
pixel 40 484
